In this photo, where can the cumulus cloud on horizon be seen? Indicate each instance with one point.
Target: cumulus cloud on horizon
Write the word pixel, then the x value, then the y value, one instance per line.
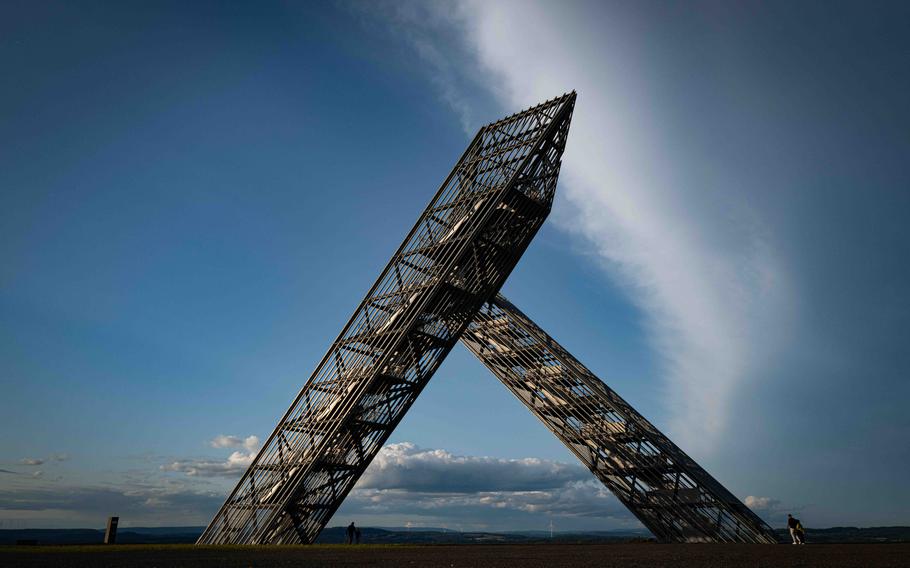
pixel 760 503
pixel 233 466
pixel 251 443
pixel 405 483
pixel 58 457
pixel 407 467
pixel 434 487
pixel 769 508
pixel 405 480
pixel 88 505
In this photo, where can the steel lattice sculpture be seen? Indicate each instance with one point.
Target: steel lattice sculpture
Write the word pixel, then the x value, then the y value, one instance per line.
pixel 440 287
pixel 669 493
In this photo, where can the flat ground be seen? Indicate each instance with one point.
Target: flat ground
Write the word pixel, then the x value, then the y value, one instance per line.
pixel 487 556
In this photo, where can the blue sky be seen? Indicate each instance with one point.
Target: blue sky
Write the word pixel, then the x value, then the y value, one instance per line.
pixel 194 197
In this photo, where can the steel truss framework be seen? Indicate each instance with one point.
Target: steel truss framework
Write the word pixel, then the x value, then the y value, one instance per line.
pixel 439 285
pixel 671 495
pixel 456 257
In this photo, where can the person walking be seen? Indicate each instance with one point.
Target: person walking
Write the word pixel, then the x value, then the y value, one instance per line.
pixel 796 530
pixel 800 532
pixel 351 530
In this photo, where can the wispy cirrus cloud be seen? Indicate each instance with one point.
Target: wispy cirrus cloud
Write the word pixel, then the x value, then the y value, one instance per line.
pixel 689 250
pixel 427 28
pixel 59 457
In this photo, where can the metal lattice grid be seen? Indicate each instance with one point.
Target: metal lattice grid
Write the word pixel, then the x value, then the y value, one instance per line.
pixel 456 257
pixel 671 495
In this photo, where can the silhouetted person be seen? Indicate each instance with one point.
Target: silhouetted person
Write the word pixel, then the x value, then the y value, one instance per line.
pixel 357 534
pixel 351 530
pixel 796 530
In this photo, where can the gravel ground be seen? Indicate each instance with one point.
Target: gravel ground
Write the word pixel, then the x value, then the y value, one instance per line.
pixel 463 556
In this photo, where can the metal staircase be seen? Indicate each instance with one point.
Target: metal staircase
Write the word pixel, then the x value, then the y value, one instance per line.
pixel 670 494
pixel 440 286
pixel 456 257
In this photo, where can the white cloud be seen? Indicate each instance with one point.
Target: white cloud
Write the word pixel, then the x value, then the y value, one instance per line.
pixel 436 487
pixel 588 499
pixel 251 443
pixel 407 467
pixel 233 466
pixel 760 503
pixel 137 504
pixel 692 255
pixel 31 461
pixel 405 479
pixel 426 27
pixel 772 510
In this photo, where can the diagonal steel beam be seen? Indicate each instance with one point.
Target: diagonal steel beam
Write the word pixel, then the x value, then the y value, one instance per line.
pixel 457 256
pixel 674 497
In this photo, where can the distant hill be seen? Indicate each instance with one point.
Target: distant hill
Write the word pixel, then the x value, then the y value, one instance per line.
pixel 852 535
pixel 336 535
pixel 398 535
pixel 331 535
pixel 126 535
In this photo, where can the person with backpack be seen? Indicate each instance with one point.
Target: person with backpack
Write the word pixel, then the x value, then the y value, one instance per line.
pixel 796 530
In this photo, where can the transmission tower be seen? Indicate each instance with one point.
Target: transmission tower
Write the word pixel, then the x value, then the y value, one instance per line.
pixel 441 286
